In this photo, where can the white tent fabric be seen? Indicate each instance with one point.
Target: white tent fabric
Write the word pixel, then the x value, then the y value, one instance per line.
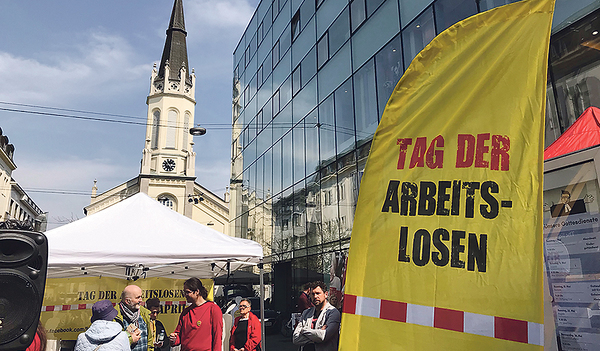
pixel 139 237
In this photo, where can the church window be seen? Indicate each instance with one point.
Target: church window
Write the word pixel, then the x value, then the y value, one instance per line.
pixel 171 129
pixel 186 130
pixel 167 200
pixel 155 125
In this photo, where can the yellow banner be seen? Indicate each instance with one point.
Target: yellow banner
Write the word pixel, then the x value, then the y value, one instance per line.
pixel 446 249
pixel 67 306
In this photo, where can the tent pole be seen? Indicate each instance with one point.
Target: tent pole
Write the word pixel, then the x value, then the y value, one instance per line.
pixel 262 305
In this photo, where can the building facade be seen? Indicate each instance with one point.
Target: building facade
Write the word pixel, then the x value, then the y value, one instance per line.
pixel 311 81
pixel 167 171
pixel 15 203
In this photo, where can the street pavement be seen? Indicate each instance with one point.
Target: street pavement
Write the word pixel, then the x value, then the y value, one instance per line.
pixel 278 342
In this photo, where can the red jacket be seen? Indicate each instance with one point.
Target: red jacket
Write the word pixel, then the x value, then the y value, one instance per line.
pixel 254 333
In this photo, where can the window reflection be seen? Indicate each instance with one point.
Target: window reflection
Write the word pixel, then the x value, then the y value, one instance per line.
pixel 575 65
pixel 485 5
pixel 298 152
pixel 357 13
pixel 339 32
pixel 365 101
pixel 326 129
pixel 388 65
pixel 344 117
pixel 372 5
pixel 448 12
pixel 417 35
pixel 311 132
pixel 287 160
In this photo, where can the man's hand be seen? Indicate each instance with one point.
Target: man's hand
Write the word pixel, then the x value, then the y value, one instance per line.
pixel 173 337
pixel 136 335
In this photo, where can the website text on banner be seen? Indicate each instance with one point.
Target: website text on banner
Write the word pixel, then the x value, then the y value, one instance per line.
pixel 446 249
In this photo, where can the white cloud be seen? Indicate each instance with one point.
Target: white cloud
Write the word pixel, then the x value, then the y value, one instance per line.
pixel 229 15
pixel 66 75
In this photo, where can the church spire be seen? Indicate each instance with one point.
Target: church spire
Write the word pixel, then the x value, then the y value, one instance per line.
pixel 175 51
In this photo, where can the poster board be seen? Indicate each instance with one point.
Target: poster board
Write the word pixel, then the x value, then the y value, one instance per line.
pixel 572 248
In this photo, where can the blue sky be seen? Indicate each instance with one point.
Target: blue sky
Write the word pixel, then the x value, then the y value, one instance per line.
pixel 97 56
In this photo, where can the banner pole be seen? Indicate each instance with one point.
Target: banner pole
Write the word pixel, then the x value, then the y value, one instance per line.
pixel 262 305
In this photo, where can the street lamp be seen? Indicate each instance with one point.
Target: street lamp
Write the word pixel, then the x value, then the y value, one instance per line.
pixel 197 131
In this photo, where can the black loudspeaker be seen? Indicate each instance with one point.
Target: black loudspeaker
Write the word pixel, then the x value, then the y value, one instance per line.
pixel 23 266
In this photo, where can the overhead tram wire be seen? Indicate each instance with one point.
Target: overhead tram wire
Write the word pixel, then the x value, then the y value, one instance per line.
pixel 213 126
pixel 70 110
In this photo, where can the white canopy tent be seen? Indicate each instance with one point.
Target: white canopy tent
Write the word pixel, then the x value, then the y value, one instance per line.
pixel 140 238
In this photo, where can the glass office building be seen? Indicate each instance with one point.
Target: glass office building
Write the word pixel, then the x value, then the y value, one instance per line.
pixel 311 80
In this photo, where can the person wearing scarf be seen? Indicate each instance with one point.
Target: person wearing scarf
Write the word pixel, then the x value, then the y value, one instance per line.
pixel 135 319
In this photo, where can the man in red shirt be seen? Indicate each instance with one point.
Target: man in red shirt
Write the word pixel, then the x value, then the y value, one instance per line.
pixel 200 325
pixel 304 300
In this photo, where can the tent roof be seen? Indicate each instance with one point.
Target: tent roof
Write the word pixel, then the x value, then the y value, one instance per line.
pixel 584 133
pixel 140 237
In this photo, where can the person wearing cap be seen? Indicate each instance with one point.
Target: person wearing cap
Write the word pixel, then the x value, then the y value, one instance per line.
pixel 104 334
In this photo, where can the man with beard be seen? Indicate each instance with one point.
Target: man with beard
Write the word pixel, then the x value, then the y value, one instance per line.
pixel 319 326
pixel 135 319
pixel 200 326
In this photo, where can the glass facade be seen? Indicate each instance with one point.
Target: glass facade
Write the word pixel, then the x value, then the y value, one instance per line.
pixel 311 80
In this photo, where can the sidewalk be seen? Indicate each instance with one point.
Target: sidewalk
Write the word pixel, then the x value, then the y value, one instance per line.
pixel 278 342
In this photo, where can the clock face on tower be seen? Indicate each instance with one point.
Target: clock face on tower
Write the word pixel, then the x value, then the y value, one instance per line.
pixel 168 165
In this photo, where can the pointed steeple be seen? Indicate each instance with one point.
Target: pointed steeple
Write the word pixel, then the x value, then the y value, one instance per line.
pixel 175 51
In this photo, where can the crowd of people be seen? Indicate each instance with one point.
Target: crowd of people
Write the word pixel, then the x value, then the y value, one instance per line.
pixel 131 326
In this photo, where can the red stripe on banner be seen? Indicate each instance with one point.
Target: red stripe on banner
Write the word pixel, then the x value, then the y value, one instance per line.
pixel 82 306
pixel 393 311
pixel 349 304
pixel 448 319
pixel 49 308
pixel 182 303
pixel 168 303
pixel 510 329
pixel 66 307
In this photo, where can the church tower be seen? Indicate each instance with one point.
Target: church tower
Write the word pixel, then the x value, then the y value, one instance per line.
pixel 167 168
pixel 168 159
pixel 168 146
